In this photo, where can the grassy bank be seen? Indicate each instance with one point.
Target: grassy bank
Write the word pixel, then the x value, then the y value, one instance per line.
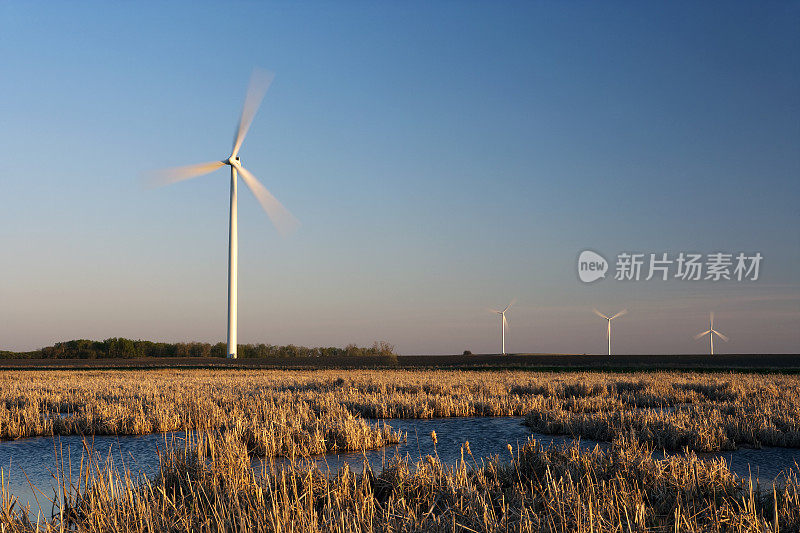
pixel 212 488
pixel 309 412
pixel 271 421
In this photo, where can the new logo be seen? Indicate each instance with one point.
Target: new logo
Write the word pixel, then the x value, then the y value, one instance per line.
pixel 591 266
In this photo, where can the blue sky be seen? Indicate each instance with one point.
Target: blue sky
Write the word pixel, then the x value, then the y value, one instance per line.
pixel 442 158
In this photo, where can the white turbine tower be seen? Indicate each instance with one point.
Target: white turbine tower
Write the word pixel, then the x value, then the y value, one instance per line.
pixel 503 324
pixel 281 218
pixel 711 332
pixel 608 320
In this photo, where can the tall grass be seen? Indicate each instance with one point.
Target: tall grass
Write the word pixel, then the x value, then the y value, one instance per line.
pixel 209 483
pixel 212 487
pixel 271 422
pixel 308 412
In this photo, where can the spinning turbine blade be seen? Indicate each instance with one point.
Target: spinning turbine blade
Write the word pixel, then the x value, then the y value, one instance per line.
pixel 702 334
pixel 624 311
pixel 260 81
pixel 509 305
pixel 167 176
pixel 720 335
pixel 495 311
pixel 505 322
pixel 598 313
pixel 283 220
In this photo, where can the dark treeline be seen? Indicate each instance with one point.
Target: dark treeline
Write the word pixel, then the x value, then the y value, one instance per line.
pixel 128 349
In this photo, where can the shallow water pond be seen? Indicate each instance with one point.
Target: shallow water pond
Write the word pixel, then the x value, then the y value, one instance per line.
pixel 33 461
pixel 30 465
pixel 487 437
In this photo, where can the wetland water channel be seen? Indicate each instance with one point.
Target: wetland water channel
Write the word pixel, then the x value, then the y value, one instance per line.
pixel 31 462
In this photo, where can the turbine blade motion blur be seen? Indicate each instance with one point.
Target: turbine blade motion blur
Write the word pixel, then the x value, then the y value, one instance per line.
pixel 495 311
pixel 260 81
pixel 624 311
pixel 509 305
pixel 721 336
pixel 283 220
pixel 703 334
pixel 505 322
pixel 598 313
pixel 167 176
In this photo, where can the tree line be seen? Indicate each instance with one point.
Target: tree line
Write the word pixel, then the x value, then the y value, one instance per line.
pixel 118 347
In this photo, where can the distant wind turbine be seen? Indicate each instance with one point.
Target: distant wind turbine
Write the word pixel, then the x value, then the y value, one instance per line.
pixel 503 324
pixel 281 218
pixel 711 332
pixel 608 320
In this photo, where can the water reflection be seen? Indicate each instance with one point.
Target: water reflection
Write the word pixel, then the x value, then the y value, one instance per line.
pixel 487 437
pixel 34 461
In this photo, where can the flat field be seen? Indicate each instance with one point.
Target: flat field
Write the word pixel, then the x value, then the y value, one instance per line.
pixel 786 363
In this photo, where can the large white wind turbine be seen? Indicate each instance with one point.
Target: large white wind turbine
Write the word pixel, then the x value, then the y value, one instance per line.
pixel 608 320
pixel 503 324
pixel 711 332
pixel 281 218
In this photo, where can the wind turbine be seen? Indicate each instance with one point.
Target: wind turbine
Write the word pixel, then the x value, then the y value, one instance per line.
pixel 608 320
pixel 710 332
pixel 503 324
pixel 281 218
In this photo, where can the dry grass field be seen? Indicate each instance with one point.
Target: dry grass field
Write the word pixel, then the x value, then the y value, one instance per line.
pixel 308 412
pixel 236 414
pixel 211 487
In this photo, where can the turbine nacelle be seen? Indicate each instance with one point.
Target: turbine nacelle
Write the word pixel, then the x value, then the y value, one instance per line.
pixel 232 161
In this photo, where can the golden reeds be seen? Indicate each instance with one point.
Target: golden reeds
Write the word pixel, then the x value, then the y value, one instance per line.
pixel 212 487
pixel 209 484
pixel 281 413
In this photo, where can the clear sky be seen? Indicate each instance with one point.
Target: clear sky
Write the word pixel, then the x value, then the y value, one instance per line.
pixel 442 157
